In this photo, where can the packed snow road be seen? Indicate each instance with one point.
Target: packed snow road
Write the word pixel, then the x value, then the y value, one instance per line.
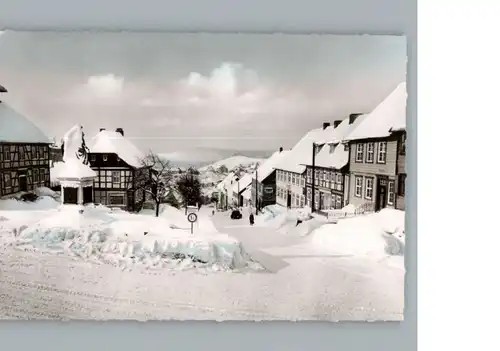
pixel 300 284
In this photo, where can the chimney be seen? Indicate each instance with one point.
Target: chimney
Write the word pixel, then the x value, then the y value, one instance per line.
pixel 336 123
pixel 326 125
pixel 119 130
pixel 101 129
pixel 353 116
pixel 281 149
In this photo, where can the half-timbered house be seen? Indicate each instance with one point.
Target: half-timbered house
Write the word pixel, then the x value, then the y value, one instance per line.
pixel 24 152
pixel 328 167
pixel 291 171
pixel 121 175
pixel 377 148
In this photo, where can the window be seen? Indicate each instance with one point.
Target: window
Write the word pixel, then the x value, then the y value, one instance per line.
pixel 116 199
pixel 21 152
pixel 294 179
pixel 339 178
pixel 401 184
pixel 105 158
pixel 303 181
pixel 35 176
pixel 37 151
pixel 302 201
pixel 115 177
pixel 370 150
pixel 346 147
pixel 6 154
pixel 6 180
pixel 309 172
pixel 369 188
pixel 92 158
pixel 332 148
pixel 358 186
pixel 338 202
pixel 289 177
pixel 402 147
pixel 33 152
pixel 390 197
pixel 268 190
pixel 309 194
pixel 382 152
pixel 359 152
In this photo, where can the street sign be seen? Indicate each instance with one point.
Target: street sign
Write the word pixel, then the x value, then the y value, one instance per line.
pixel 192 217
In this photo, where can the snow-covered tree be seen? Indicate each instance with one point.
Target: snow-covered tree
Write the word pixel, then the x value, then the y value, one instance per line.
pixel 156 178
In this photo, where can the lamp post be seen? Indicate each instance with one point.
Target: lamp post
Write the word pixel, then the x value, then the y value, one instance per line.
pixel 256 188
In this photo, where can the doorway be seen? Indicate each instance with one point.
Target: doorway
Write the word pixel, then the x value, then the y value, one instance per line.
pixel 381 199
pixel 23 183
pixel 289 200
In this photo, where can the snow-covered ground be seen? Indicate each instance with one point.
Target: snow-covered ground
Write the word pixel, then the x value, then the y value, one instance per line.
pixel 288 275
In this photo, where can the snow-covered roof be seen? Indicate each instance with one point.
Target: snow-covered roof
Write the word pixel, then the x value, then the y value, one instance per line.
pixel 245 181
pixel 16 128
pixel 340 156
pixel 388 116
pixel 107 141
pixel 269 165
pixel 74 168
pixel 225 184
pixel 301 153
pixel 247 194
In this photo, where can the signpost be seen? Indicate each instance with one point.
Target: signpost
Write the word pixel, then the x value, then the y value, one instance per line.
pixel 192 217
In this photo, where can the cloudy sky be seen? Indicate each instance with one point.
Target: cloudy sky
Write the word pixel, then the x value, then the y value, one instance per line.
pixel 172 92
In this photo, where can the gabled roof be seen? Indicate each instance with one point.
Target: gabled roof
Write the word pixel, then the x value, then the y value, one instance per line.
pixel 388 116
pixel 340 156
pixel 244 182
pixel 113 142
pixel 301 153
pixel 16 128
pixel 226 182
pixel 269 165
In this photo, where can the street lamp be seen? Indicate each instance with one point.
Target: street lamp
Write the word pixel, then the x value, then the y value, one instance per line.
pixel 256 188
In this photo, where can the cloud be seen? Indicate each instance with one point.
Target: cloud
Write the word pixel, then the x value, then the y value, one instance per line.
pixel 106 86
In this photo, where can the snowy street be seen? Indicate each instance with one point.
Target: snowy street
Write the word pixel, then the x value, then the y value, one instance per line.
pixel 300 283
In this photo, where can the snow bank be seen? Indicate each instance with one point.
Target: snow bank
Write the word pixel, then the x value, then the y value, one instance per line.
pixel 376 235
pixel 44 191
pixel 42 203
pixel 129 240
pixel 289 221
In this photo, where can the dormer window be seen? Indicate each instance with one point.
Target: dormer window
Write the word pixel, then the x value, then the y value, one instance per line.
pixel 332 148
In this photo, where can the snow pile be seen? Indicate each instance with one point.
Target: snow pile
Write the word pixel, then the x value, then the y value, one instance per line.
pixel 44 191
pixel 129 240
pixel 297 221
pixel 42 203
pixel 377 235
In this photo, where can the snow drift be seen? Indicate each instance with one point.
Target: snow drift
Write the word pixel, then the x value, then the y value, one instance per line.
pixel 122 239
pixel 377 235
pixel 297 221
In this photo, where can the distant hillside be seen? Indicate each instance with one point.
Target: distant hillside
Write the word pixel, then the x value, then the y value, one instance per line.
pixel 233 163
pixel 212 174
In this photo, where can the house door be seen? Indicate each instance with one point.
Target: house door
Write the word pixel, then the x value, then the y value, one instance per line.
pixel 70 195
pixel 289 200
pixel 87 194
pixel 381 200
pixel 23 183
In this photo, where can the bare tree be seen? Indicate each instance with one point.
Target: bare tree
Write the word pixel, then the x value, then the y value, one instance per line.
pixel 155 178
